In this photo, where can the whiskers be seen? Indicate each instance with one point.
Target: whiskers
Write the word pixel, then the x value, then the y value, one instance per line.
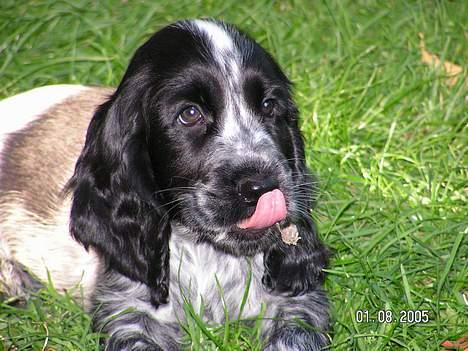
pixel 175 189
pixel 175 192
pixel 181 197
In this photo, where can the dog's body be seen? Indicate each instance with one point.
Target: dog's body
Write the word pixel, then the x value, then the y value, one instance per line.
pixel 183 173
pixel 34 212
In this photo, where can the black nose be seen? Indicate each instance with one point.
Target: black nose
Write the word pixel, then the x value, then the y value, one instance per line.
pixel 251 188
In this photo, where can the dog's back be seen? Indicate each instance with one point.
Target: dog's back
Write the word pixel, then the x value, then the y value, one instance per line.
pixel 42 132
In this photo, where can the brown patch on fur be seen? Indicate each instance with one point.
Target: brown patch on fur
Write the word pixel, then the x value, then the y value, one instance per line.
pixel 38 159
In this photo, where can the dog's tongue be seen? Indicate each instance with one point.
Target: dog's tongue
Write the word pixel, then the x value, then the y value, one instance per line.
pixel 271 208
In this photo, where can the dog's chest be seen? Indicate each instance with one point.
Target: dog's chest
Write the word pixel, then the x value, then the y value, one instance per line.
pixel 215 282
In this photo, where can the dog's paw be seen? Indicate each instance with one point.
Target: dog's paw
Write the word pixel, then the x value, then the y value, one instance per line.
pixel 296 339
pixel 133 343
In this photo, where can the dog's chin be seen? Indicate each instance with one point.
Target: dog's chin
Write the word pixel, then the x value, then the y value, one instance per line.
pixel 248 235
pixel 244 242
pixel 226 232
pixel 230 239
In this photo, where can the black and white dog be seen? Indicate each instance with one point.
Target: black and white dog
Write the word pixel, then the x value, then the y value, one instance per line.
pixel 190 175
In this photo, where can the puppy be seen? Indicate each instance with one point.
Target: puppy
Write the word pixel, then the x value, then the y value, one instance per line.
pixel 189 174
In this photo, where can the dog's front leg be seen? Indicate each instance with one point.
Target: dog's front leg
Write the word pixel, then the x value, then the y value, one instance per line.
pixel 294 276
pixel 300 323
pixel 123 311
pixel 145 334
pixel 131 341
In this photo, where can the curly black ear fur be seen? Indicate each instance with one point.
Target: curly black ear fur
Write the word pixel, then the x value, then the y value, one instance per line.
pixel 114 209
pixel 297 269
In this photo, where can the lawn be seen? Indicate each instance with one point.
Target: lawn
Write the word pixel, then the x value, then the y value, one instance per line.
pixel 385 135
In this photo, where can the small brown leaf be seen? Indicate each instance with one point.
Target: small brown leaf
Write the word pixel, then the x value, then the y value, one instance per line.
pixel 290 235
pixel 452 70
pixel 461 344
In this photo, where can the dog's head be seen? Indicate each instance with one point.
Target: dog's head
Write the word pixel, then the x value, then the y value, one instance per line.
pixel 202 134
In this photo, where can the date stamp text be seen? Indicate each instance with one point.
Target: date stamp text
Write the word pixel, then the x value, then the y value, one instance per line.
pixel 388 316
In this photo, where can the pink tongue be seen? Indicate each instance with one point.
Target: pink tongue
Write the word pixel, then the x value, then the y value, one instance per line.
pixel 271 208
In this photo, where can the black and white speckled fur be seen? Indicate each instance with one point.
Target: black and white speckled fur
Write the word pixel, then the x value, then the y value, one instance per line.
pixel 156 200
pixel 194 270
pixel 205 242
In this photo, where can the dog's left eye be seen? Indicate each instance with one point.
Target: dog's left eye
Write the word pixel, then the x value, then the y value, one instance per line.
pixel 268 107
pixel 190 116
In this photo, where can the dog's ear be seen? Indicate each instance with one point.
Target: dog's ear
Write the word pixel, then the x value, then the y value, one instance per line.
pixel 115 209
pixel 297 269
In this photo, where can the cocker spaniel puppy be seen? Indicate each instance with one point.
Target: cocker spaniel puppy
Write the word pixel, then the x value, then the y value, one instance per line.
pixel 192 174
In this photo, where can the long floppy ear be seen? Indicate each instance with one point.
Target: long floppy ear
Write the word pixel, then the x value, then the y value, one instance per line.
pixel 114 207
pixel 297 269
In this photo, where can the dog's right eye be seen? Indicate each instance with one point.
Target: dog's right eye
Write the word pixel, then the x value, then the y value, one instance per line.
pixel 190 116
pixel 268 107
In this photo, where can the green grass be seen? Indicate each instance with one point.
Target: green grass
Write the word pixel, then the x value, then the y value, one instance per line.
pixel 384 133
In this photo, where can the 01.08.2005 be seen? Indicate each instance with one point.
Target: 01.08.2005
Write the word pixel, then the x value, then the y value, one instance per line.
pixel 388 316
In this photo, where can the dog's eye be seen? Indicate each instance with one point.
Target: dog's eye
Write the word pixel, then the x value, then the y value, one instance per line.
pixel 190 116
pixel 268 107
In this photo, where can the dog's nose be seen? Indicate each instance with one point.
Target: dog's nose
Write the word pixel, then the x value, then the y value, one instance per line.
pixel 251 188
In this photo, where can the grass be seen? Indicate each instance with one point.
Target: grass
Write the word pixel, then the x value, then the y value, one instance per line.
pixel 384 133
